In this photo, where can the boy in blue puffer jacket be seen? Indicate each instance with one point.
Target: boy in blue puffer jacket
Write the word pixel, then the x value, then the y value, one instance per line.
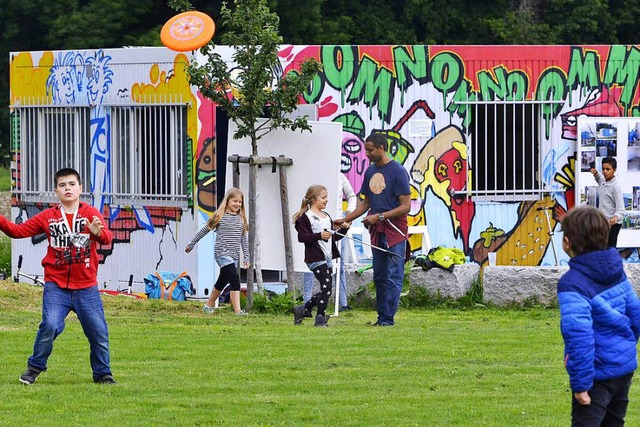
pixel 600 321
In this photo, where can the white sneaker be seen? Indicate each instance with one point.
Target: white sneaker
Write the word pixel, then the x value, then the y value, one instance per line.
pixel 207 309
pixel 242 313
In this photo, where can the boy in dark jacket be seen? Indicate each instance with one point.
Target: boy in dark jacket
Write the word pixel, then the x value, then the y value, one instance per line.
pixel 600 321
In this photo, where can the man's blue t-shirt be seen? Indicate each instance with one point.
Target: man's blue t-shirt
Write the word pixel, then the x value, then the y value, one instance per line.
pixel 384 185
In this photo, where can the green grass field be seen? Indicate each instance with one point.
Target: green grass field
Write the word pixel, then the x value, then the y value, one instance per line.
pixel 176 366
pixel 5 179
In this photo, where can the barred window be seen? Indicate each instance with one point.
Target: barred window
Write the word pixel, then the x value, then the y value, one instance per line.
pixel 46 139
pixel 146 152
pixel 149 160
pixel 504 150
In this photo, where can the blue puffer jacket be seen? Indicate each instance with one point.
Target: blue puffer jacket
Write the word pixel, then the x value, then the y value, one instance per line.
pixel 600 319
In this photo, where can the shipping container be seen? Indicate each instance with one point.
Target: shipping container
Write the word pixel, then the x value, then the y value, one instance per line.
pixel 489 136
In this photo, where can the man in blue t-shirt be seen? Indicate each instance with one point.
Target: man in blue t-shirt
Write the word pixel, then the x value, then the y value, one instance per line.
pixel 387 198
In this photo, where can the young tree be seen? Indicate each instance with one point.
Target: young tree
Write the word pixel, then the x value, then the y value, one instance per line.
pixel 252 30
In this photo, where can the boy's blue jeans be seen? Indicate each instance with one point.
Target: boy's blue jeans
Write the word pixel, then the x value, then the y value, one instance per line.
pixel 87 304
pixel 388 274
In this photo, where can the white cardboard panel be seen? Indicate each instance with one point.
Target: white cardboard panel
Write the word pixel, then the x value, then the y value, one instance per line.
pixel 316 160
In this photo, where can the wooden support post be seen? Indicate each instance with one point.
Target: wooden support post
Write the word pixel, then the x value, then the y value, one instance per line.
pixel 236 171
pixel 286 227
pixel 252 160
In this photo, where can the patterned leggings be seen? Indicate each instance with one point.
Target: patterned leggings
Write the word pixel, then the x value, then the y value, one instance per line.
pixel 321 299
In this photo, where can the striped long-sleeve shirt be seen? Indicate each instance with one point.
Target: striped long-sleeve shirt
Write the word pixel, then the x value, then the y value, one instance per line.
pixel 230 237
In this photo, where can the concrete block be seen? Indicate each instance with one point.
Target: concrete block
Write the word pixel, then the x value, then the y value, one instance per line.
pixel 506 284
pixel 501 284
pixel 449 284
pixel 454 284
pixel 633 273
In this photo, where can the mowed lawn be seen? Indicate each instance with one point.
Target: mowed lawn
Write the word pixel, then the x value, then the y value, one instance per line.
pixel 176 366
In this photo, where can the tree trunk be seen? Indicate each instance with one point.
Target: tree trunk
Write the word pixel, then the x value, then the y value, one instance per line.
pixel 252 236
pixel 254 227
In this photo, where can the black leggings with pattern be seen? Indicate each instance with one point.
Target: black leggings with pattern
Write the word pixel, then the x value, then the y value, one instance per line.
pixel 321 299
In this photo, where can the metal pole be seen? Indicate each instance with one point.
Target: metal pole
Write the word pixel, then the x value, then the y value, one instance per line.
pixel 546 210
pixel 365 243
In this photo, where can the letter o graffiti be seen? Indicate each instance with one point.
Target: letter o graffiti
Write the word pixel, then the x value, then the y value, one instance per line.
pixel 446 72
pixel 339 65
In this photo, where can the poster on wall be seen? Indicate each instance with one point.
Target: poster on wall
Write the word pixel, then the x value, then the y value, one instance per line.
pixel 619 138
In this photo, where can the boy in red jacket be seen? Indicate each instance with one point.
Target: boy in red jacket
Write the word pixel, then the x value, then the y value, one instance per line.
pixel 70 274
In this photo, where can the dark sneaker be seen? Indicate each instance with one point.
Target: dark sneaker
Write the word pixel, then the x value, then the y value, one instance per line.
pixel 344 308
pixel 377 323
pixel 299 313
pixel 30 375
pixel 321 321
pixel 105 379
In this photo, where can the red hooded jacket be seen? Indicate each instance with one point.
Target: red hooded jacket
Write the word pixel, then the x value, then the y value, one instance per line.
pixel 71 261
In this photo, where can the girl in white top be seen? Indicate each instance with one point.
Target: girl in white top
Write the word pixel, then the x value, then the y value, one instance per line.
pixel 314 227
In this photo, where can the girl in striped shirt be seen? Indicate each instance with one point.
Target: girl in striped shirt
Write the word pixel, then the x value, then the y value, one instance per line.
pixel 230 224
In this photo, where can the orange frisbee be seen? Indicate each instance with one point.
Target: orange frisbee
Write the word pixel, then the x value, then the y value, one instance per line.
pixel 187 31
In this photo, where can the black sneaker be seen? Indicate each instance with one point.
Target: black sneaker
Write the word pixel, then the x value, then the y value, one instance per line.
pixel 321 321
pixel 299 313
pixel 344 308
pixel 30 375
pixel 105 379
pixel 377 323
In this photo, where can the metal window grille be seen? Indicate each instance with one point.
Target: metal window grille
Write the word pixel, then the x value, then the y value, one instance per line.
pixel 148 152
pixel 50 138
pixel 504 150
pixel 149 161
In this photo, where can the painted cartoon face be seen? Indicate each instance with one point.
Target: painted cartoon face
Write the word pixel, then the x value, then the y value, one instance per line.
pixel 599 103
pixel 452 167
pixel 62 86
pixel 206 175
pixel 100 79
pixel 353 161
pixel 398 147
pixel 416 214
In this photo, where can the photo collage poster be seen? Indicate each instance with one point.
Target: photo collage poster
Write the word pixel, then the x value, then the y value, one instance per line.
pixel 617 137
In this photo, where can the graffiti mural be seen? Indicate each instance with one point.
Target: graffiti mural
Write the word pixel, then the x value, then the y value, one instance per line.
pixel 97 80
pixel 418 97
pixel 378 88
